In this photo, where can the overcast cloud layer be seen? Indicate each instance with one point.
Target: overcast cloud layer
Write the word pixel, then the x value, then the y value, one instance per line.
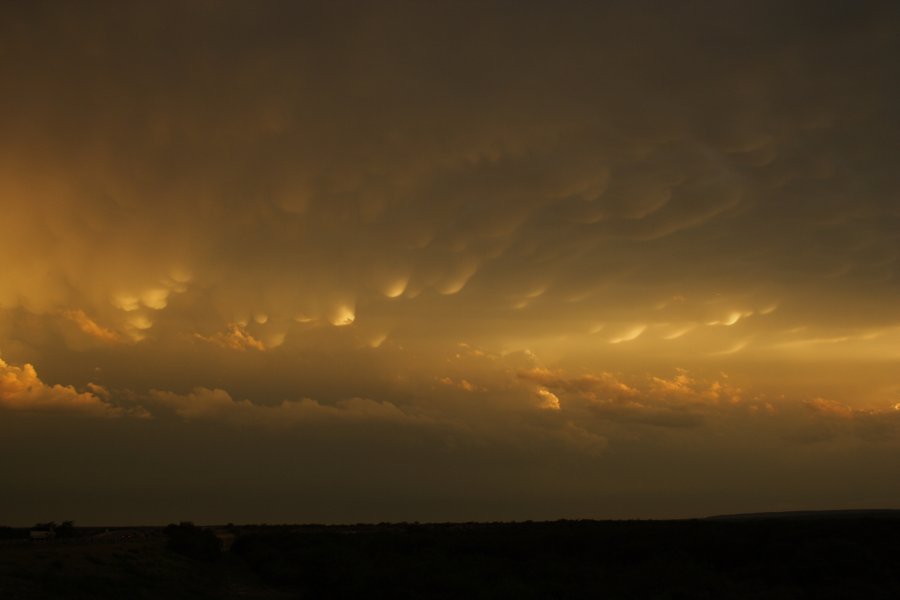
pixel 467 260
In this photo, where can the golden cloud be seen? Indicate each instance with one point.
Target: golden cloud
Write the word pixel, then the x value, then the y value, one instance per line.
pixel 22 390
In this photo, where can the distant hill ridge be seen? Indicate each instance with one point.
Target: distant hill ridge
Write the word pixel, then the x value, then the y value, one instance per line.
pixel 811 514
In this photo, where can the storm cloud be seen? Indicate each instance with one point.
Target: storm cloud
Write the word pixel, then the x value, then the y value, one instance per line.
pixel 558 242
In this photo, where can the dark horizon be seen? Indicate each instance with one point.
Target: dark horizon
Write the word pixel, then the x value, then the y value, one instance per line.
pixel 844 513
pixel 789 558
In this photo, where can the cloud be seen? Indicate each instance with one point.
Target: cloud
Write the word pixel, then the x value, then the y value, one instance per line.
pixel 588 386
pixel 235 337
pixel 831 408
pixel 316 213
pixel 548 399
pixel 218 405
pixel 22 390
pixel 462 384
pixel 679 401
pixel 91 327
pixel 837 418
pixel 270 200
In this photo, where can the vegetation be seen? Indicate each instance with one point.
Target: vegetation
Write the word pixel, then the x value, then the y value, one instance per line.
pixel 784 558
pixel 12 533
pixel 107 568
pixel 683 559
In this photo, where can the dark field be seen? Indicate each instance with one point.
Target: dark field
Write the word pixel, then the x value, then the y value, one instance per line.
pixel 821 556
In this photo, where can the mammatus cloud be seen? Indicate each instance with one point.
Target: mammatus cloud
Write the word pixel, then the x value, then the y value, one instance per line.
pixel 399 191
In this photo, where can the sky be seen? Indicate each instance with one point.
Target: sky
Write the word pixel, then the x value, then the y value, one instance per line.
pixel 447 261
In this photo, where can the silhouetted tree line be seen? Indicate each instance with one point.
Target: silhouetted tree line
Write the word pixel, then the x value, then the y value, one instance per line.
pixel 66 529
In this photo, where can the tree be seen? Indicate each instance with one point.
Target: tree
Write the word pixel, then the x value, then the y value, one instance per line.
pixel 66 529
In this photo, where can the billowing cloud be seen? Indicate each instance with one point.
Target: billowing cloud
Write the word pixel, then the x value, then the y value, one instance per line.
pixel 679 401
pixel 22 390
pixel 837 418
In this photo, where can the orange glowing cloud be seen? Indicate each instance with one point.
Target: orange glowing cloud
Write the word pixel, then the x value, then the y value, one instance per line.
pixel 91 327
pixel 22 390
